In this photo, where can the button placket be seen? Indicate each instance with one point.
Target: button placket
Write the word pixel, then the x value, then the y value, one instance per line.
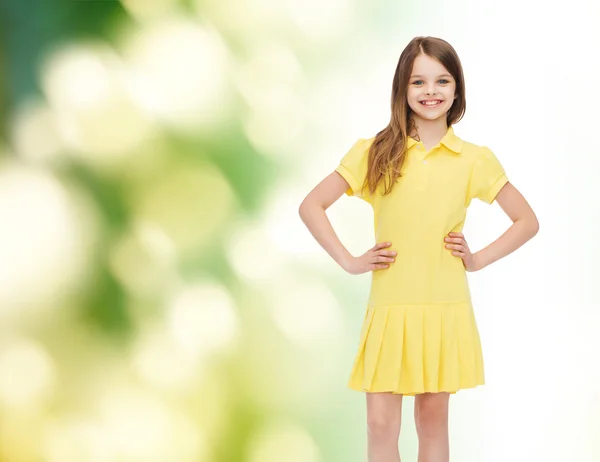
pixel 427 154
pixel 423 179
pixel 423 155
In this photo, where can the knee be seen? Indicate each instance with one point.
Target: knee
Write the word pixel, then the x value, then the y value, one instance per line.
pixel 431 414
pixel 431 423
pixel 382 427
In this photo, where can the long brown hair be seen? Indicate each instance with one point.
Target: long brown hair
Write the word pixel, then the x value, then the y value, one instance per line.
pixel 387 152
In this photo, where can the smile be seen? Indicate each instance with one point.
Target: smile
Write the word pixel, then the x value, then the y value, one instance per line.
pixel 431 103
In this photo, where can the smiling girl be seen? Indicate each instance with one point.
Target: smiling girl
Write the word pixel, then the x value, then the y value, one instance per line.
pixel 419 336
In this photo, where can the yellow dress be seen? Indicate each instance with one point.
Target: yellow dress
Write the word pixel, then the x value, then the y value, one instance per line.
pixel 419 332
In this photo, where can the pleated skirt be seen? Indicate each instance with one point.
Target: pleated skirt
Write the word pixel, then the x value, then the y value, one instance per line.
pixel 413 349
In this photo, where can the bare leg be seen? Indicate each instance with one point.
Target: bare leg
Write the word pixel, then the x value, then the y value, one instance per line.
pixel 384 415
pixel 431 420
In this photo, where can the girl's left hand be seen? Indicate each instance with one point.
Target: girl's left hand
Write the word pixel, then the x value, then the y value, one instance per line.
pixel 460 248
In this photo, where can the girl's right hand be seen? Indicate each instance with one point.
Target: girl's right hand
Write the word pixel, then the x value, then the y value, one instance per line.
pixel 372 260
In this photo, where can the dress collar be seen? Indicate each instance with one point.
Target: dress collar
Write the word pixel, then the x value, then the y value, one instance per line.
pixel 450 140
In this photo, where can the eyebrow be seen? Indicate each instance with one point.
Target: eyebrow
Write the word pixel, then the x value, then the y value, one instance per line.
pixel 442 75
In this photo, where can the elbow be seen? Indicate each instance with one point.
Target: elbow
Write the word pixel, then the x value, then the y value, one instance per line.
pixel 302 210
pixel 529 225
pixel 308 208
pixel 534 226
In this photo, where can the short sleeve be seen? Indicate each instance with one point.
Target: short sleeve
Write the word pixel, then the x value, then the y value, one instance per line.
pixel 487 176
pixel 353 167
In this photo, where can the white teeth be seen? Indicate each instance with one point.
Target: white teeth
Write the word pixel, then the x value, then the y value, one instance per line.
pixel 431 103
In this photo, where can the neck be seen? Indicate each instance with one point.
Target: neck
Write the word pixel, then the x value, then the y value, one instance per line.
pixel 427 130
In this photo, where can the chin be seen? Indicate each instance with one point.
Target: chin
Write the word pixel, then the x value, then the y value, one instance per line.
pixel 435 116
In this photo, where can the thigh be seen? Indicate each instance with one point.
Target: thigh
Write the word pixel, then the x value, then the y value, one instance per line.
pixel 384 409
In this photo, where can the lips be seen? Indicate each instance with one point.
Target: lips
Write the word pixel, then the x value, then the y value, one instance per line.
pixel 439 101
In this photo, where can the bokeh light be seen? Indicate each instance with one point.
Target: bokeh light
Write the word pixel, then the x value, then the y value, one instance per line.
pixel 86 88
pixel 161 299
pixel 27 375
pixel 185 68
pixel 181 203
pixel 202 319
pixel 44 242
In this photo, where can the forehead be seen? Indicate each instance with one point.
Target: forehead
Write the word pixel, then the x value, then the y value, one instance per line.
pixel 427 66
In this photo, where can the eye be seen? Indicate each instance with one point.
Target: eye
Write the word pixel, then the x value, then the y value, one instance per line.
pixel 416 82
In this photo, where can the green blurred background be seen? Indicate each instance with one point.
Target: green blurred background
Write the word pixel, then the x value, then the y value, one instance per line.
pixel 160 299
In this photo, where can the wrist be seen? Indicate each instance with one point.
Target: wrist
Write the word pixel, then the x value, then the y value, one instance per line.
pixel 346 261
pixel 479 261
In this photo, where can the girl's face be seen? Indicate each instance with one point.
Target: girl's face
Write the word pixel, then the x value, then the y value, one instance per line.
pixel 430 81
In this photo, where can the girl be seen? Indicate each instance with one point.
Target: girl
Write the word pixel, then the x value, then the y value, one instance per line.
pixel 419 336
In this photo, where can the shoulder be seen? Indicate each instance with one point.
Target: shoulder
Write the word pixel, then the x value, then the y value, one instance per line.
pixel 368 141
pixel 359 150
pixel 472 149
pixel 365 143
pixel 476 152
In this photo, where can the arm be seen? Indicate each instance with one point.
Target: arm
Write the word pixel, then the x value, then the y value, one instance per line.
pixel 525 226
pixel 312 212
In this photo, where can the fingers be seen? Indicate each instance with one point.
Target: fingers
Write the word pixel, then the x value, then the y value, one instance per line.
pixel 459 244
pixel 458 240
pixel 460 251
pixel 381 245
pixel 378 266
pixel 382 258
pixel 384 255
pixel 456 236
